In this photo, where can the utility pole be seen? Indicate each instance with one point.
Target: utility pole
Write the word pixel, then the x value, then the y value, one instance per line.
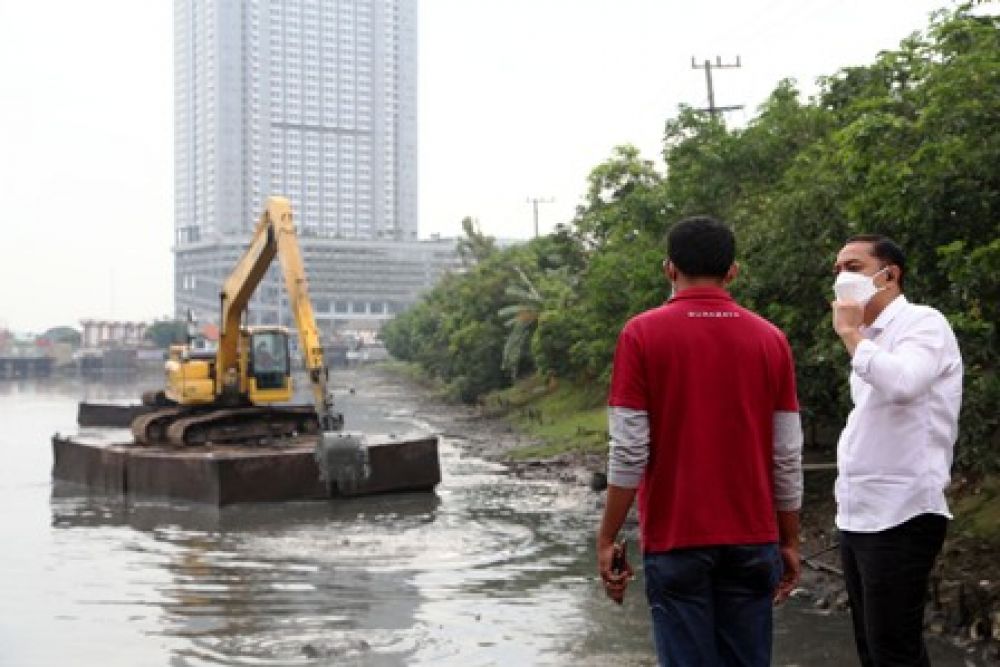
pixel 535 201
pixel 708 66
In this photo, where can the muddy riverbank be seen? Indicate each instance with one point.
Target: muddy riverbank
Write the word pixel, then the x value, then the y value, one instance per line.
pixel 964 607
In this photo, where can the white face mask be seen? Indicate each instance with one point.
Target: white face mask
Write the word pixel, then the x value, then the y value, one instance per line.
pixel 856 286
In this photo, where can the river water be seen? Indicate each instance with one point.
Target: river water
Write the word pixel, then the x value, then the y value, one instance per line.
pixel 490 569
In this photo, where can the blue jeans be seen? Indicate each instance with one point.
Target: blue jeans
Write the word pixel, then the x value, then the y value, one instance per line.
pixel 712 605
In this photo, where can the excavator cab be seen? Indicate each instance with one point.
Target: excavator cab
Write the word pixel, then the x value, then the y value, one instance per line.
pixel 269 369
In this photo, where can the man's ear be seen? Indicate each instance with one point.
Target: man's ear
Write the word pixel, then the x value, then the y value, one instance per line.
pixel 670 271
pixel 892 274
pixel 731 274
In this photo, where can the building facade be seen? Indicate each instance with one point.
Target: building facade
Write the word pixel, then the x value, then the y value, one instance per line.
pixel 314 100
pixel 109 333
pixel 352 283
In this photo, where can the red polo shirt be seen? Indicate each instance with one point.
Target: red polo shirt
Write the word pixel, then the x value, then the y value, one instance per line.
pixel 710 374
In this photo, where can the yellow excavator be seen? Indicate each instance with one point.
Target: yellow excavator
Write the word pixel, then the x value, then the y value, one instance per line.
pixel 233 395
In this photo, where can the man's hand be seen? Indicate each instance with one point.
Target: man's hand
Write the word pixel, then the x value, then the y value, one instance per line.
pixel 788 547
pixel 615 510
pixel 791 570
pixel 615 583
pixel 848 316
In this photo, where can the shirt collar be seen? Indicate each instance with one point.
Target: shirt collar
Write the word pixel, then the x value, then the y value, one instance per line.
pixel 885 317
pixel 697 293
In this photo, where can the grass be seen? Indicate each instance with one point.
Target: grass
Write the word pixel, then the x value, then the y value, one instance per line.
pixel 565 417
pixel 416 374
pixel 410 371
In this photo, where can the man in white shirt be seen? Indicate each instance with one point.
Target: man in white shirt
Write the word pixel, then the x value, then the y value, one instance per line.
pixel 895 452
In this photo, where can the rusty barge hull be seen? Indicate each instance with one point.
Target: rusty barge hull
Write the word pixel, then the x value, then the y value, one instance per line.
pixel 227 474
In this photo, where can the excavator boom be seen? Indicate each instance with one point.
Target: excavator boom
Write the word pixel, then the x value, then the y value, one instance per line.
pixel 290 257
pixel 236 291
pixel 274 235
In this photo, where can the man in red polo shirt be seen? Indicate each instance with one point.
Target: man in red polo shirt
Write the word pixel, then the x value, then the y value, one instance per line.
pixel 705 429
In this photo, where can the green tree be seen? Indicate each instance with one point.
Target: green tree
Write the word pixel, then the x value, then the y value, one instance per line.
pixel 165 333
pixel 63 335
pixel 907 146
pixel 520 318
pixel 475 246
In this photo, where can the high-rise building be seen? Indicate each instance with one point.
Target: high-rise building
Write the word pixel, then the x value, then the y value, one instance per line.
pixel 314 100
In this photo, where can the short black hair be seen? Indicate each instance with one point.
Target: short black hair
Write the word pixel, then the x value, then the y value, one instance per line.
pixel 885 250
pixel 701 247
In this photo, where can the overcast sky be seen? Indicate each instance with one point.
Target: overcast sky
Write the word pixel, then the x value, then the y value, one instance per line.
pixel 517 99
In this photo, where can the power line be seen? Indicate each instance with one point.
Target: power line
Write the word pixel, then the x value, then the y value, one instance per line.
pixel 708 66
pixel 745 33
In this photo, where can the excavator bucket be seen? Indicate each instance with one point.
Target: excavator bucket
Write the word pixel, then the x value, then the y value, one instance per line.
pixel 356 464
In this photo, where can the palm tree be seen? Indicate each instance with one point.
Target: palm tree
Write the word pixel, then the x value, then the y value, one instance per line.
pixel 521 318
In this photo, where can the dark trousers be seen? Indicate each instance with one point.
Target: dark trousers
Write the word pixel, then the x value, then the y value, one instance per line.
pixel 886 575
pixel 712 605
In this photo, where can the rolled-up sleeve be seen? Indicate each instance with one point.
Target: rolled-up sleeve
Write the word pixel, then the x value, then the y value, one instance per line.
pixel 629 448
pixel 787 461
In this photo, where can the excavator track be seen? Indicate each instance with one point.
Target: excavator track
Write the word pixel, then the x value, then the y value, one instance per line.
pixel 151 428
pixel 244 425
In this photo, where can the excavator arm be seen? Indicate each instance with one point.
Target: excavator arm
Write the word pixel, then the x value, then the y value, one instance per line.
pixel 290 258
pixel 236 292
pixel 273 235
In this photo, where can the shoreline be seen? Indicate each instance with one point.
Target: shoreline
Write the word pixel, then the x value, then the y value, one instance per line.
pixel 964 606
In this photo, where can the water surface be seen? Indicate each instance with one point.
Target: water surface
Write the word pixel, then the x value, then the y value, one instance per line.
pixel 489 570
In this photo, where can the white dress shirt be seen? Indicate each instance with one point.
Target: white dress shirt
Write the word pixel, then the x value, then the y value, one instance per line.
pixel 894 455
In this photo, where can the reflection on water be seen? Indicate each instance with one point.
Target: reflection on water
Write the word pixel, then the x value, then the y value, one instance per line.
pixel 399 579
pixel 124 387
pixel 489 570
pixel 297 581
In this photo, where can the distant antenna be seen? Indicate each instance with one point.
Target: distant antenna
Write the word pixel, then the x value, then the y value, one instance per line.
pixel 535 201
pixel 708 66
